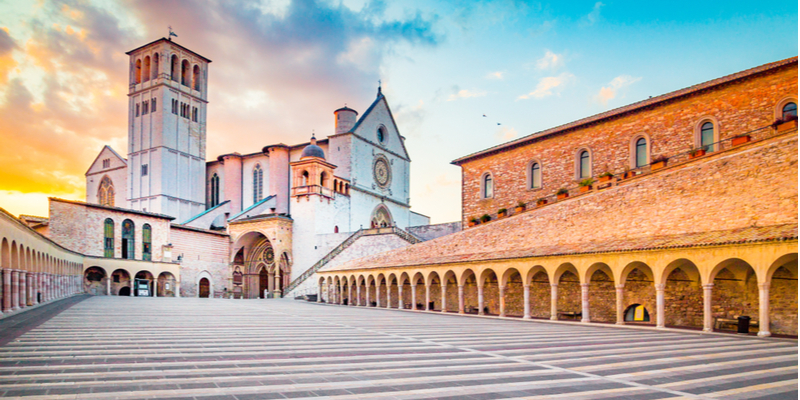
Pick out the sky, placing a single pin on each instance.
(280, 69)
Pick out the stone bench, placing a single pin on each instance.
(720, 322)
(570, 315)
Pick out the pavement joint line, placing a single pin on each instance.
(539, 364)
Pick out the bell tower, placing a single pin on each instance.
(167, 99)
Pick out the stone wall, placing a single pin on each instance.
(428, 232)
(683, 300)
(602, 298)
(202, 252)
(737, 107)
(783, 302)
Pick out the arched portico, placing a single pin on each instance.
(96, 281)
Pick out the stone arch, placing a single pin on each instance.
(735, 290)
(381, 217)
(469, 280)
(144, 279)
(167, 285)
(95, 281)
(450, 287)
(540, 289)
(489, 283)
(633, 151)
(196, 77)
(185, 73)
(418, 291)
(568, 301)
(782, 284)
(698, 127)
(513, 296)
(602, 293)
(434, 285)
(146, 71)
(639, 288)
(782, 103)
(210, 282)
(683, 294)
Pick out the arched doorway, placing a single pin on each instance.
(204, 288)
(121, 283)
(143, 284)
(166, 285)
(95, 281)
(263, 282)
(637, 313)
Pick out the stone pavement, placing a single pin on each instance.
(184, 348)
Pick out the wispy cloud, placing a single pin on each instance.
(548, 86)
(609, 92)
(465, 94)
(594, 16)
(550, 61)
(495, 75)
(505, 133)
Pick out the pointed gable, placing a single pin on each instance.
(379, 114)
(115, 161)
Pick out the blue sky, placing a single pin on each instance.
(281, 67)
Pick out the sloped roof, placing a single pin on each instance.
(124, 160)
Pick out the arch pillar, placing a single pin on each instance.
(585, 317)
(319, 297)
(388, 294)
(7, 289)
(763, 310)
(23, 297)
(399, 295)
(480, 299)
(660, 304)
(366, 295)
(358, 294)
(526, 296)
(427, 297)
(377, 295)
(461, 299)
(501, 290)
(554, 301)
(31, 289)
(444, 296)
(108, 285)
(414, 296)
(708, 321)
(620, 304)
(15, 289)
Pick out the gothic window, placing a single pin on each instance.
(145, 107)
(214, 198)
(196, 78)
(258, 184)
(137, 109)
(584, 165)
(641, 152)
(707, 136)
(146, 74)
(185, 77)
(155, 67)
(108, 238)
(194, 114)
(105, 192)
(147, 234)
(128, 241)
(535, 176)
(487, 186)
(174, 68)
(106, 163)
(381, 218)
(789, 110)
(153, 105)
(144, 169)
(175, 106)
(138, 71)
(304, 179)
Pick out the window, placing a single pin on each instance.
(175, 106)
(144, 169)
(789, 110)
(155, 66)
(214, 197)
(304, 178)
(145, 107)
(707, 137)
(194, 114)
(108, 238)
(382, 134)
(137, 109)
(185, 78)
(146, 242)
(584, 165)
(138, 76)
(105, 192)
(147, 68)
(153, 105)
(107, 163)
(641, 152)
(196, 78)
(535, 178)
(487, 186)
(258, 184)
(174, 68)
(128, 242)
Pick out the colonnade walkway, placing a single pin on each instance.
(183, 348)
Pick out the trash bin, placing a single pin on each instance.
(744, 324)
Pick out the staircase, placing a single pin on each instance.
(345, 244)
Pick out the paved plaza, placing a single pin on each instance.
(184, 348)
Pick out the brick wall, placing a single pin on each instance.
(202, 251)
(738, 107)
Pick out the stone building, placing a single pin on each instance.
(676, 211)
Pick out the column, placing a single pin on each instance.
(427, 297)
(414, 296)
(350, 295)
(480, 300)
(660, 317)
(319, 296)
(444, 297)
(31, 289)
(132, 280)
(502, 291)
(763, 310)
(277, 284)
(708, 321)
(23, 290)
(585, 302)
(366, 296)
(620, 304)
(15, 289)
(45, 287)
(7, 290)
(461, 299)
(178, 287)
(108, 286)
(377, 295)
(526, 297)
(388, 295)
(358, 295)
(399, 295)
(155, 287)
(554, 301)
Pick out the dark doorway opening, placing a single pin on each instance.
(263, 282)
(204, 288)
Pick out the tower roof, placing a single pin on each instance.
(312, 150)
(346, 108)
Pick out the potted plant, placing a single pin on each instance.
(502, 213)
(785, 124)
(562, 193)
(740, 139)
(541, 201)
(486, 218)
(658, 163)
(698, 152)
(606, 176)
(628, 174)
(474, 221)
(586, 185)
(520, 207)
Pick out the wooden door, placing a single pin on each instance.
(204, 287)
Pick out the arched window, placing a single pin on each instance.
(174, 68)
(155, 67)
(214, 197)
(258, 184)
(304, 178)
(707, 136)
(584, 165)
(535, 176)
(147, 237)
(196, 77)
(185, 78)
(641, 152)
(487, 186)
(138, 71)
(381, 217)
(789, 110)
(336, 229)
(322, 178)
(382, 134)
(105, 192)
(146, 73)
(128, 240)
(108, 238)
